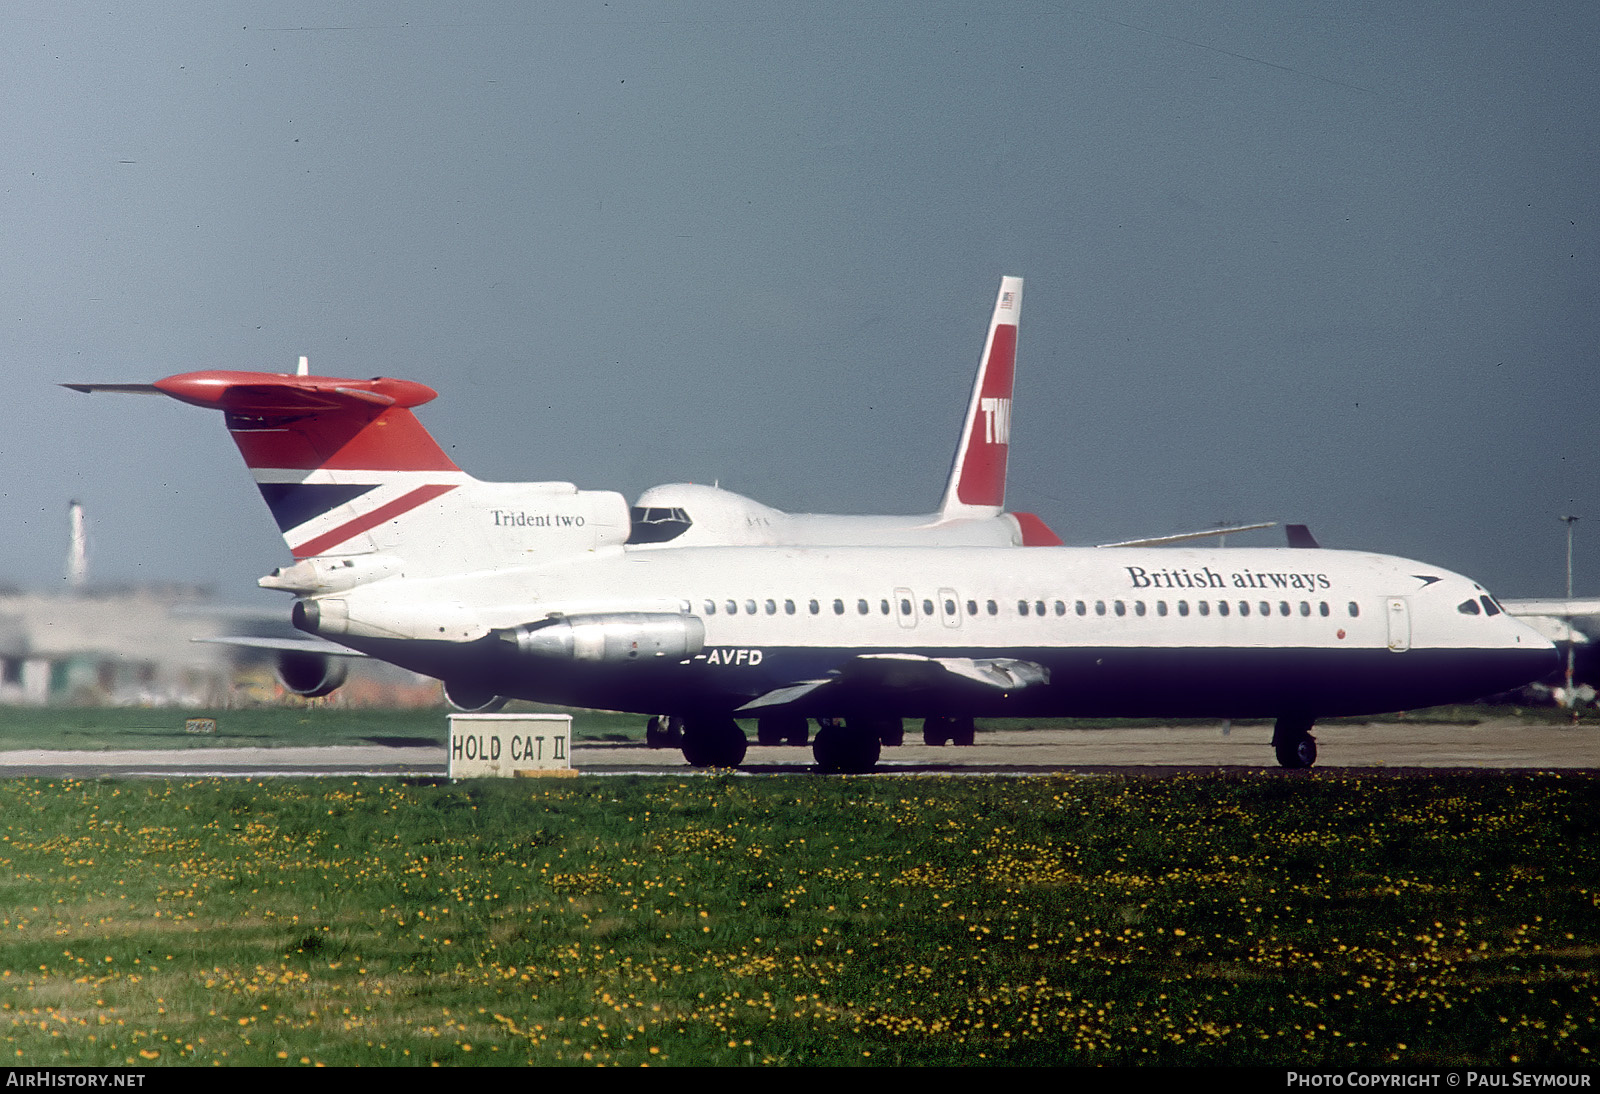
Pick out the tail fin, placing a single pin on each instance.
(977, 485)
(347, 469)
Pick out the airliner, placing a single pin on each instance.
(530, 591)
(971, 513)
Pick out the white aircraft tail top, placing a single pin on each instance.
(977, 485)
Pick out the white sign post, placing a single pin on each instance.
(503, 746)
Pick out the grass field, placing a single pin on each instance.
(1317, 920)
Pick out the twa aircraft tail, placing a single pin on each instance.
(360, 490)
(977, 484)
(976, 489)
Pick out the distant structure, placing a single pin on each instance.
(77, 548)
(104, 645)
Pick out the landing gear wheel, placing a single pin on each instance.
(839, 749)
(936, 731)
(779, 729)
(1292, 741)
(713, 742)
(891, 732)
(664, 732)
(1298, 754)
(963, 732)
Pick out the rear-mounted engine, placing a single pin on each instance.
(611, 637)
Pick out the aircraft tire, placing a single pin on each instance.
(713, 742)
(1292, 741)
(838, 750)
(664, 732)
(890, 732)
(936, 731)
(963, 732)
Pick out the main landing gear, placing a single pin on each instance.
(956, 730)
(848, 748)
(1292, 740)
(713, 742)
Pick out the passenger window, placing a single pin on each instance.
(994, 609)
(905, 607)
(1022, 607)
(1468, 607)
(949, 607)
(927, 608)
(750, 607)
(1305, 607)
(1355, 609)
(1222, 607)
(1266, 609)
(1038, 607)
(1138, 607)
(838, 606)
(1061, 609)
(1283, 607)
(711, 607)
(1322, 609)
(772, 607)
(1161, 608)
(1489, 606)
(788, 607)
(1244, 607)
(1121, 608)
(1081, 608)
(862, 607)
(1183, 607)
(732, 606)
(972, 607)
(815, 607)
(883, 607)
(1099, 607)
(1204, 606)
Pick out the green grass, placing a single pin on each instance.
(1318, 920)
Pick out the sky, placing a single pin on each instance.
(1332, 263)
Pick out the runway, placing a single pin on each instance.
(1391, 747)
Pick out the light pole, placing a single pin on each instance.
(1570, 521)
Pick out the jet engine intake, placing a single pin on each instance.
(311, 675)
(611, 637)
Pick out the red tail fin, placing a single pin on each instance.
(977, 486)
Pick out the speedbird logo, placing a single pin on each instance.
(996, 420)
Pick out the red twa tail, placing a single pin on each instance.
(977, 486)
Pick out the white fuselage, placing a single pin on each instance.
(1200, 631)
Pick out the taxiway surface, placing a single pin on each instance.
(1387, 747)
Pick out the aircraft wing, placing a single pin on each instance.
(877, 672)
(1553, 606)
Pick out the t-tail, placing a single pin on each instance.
(977, 485)
(976, 489)
(360, 490)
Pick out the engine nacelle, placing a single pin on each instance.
(472, 698)
(612, 637)
(312, 675)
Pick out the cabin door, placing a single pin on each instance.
(1399, 613)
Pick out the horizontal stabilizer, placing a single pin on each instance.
(284, 645)
(1185, 537)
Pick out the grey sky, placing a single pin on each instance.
(1329, 262)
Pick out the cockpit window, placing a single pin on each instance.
(657, 524)
(1489, 606)
(1468, 607)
